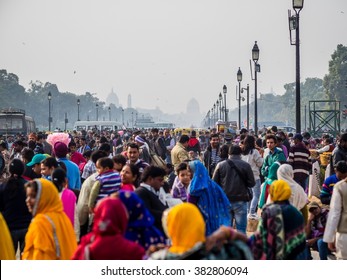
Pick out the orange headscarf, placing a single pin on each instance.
(50, 235)
(185, 227)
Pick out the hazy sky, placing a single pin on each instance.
(165, 52)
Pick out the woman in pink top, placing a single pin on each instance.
(129, 174)
(67, 197)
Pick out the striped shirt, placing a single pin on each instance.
(300, 159)
(110, 182)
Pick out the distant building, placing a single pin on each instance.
(129, 101)
(112, 98)
(193, 115)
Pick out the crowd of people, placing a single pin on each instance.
(153, 194)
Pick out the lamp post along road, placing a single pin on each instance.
(109, 113)
(49, 110)
(225, 103)
(297, 6)
(239, 79)
(255, 58)
(78, 109)
(220, 105)
(97, 111)
(247, 89)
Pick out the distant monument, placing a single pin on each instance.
(112, 98)
(129, 101)
(193, 113)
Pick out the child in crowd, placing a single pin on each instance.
(108, 181)
(181, 183)
(119, 162)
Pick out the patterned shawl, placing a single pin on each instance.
(141, 227)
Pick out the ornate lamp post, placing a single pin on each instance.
(217, 106)
(97, 111)
(255, 58)
(49, 96)
(109, 113)
(214, 110)
(239, 79)
(78, 109)
(294, 24)
(220, 105)
(122, 115)
(247, 89)
(225, 103)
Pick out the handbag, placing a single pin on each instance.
(238, 171)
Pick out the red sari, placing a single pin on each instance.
(106, 240)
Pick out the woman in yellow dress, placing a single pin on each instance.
(50, 235)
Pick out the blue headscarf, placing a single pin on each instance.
(140, 225)
(212, 201)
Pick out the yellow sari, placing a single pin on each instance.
(50, 235)
(6, 244)
(185, 227)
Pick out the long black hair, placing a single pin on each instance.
(15, 182)
(248, 145)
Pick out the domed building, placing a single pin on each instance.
(112, 98)
(193, 107)
(193, 113)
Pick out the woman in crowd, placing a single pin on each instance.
(67, 197)
(129, 176)
(271, 177)
(50, 235)
(6, 248)
(13, 206)
(281, 232)
(209, 197)
(251, 155)
(47, 167)
(185, 227)
(106, 241)
(298, 197)
(141, 227)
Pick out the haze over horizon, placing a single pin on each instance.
(164, 53)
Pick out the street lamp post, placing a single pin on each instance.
(49, 111)
(239, 79)
(217, 106)
(208, 118)
(78, 109)
(247, 89)
(214, 110)
(255, 58)
(122, 116)
(225, 103)
(294, 24)
(220, 105)
(109, 113)
(97, 111)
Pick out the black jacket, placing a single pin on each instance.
(234, 186)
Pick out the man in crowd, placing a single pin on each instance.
(299, 159)
(211, 155)
(179, 153)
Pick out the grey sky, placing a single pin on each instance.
(165, 52)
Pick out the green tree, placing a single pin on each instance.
(335, 81)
